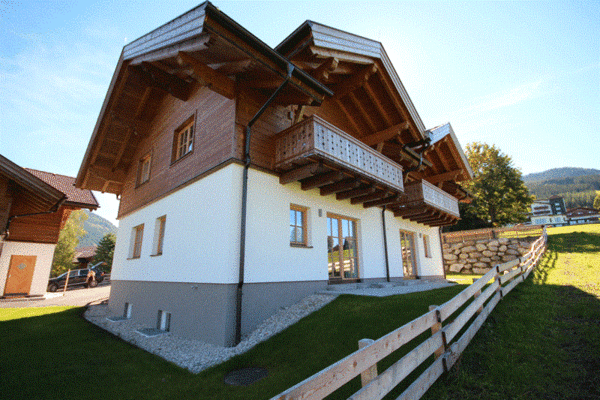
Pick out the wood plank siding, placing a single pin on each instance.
(43, 228)
(214, 117)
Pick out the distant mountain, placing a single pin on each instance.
(558, 173)
(577, 186)
(96, 227)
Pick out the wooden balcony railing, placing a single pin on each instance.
(316, 139)
(428, 204)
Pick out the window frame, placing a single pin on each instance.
(304, 215)
(427, 246)
(141, 176)
(159, 235)
(189, 124)
(137, 238)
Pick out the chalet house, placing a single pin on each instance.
(582, 215)
(34, 206)
(250, 177)
(84, 256)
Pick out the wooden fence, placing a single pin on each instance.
(441, 344)
(519, 231)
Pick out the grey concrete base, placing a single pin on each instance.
(206, 311)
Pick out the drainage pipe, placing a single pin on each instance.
(240, 286)
(385, 246)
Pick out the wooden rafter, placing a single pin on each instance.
(375, 98)
(447, 176)
(385, 134)
(328, 66)
(321, 180)
(299, 173)
(367, 197)
(348, 115)
(363, 112)
(340, 186)
(207, 76)
(382, 202)
(351, 84)
(391, 90)
(156, 77)
(348, 194)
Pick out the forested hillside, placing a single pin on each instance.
(577, 189)
(96, 227)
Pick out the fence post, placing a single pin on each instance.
(435, 328)
(370, 373)
(67, 281)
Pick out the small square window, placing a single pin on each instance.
(127, 310)
(183, 140)
(298, 226)
(164, 321)
(144, 169)
(137, 234)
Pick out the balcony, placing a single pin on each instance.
(320, 155)
(427, 204)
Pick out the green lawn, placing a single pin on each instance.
(542, 341)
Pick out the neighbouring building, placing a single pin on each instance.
(582, 215)
(84, 255)
(34, 206)
(252, 176)
(551, 211)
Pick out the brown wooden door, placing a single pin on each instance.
(20, 275)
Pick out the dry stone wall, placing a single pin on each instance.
(479, 256)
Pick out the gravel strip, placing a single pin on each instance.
(196, 355)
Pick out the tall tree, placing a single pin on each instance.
(68, 240)
(105, 251)
(499, 195)
(597, 201)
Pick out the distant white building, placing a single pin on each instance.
(549, 211)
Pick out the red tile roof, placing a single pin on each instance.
(81, 197)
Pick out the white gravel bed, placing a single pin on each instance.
(196, 355)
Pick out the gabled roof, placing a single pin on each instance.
(84, 252)
(76, 197)
(316, 44)
(38, 194)
(445, 143)
(202, 47)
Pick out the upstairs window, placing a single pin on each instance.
(159, 235)
(137, 234)
(183, 140)
(144, 169)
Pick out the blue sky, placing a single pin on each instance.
(524, 76)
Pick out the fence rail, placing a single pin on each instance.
(441, 344)
(493, 233)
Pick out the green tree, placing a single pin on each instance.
(499, 195)
(597, 201)
(105, 251)
(68, 241)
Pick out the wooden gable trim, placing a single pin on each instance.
(209, 77)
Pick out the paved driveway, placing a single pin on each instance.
(73, 297)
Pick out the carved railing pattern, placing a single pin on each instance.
(432, 195)
(316, 137)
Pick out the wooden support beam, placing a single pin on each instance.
(207, 76)
(298, 114)
(199, 43)
(340, 186)
(299, 173)
(156, 77)
(382, 202)
(363, 112)
(446, 176)
(368, 197)
(107, 174)
(322, 71)
(376, 99)
(354, 82)
(405, 211)
(392, 92)
(348, 115)
(321, 180)
(354, 192)
(384, 135)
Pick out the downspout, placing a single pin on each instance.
(442, 251)
(239, 292)
(385, 246)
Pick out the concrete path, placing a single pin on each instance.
(382, 289)
(73, 297)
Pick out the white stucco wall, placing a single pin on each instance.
(201, 241)
(43, 263)
(201, 234)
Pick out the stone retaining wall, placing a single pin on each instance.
(479, 256)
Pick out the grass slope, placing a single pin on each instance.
(543, 341)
